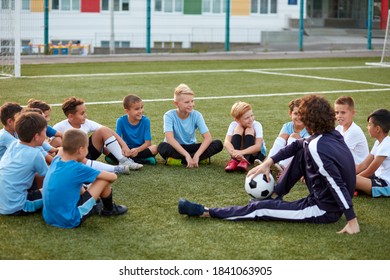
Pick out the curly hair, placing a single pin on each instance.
(70, 105)
(317, 114)
(294, 104)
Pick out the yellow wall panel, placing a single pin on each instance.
(37, 6)
(240, 7)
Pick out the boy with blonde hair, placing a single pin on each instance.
(180, 145)
(353, 135)
(66, 202)
(244, 140)
(373, 174)
(134, 129)
(23, 167)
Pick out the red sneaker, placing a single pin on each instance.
(243, 165)
(356, 193)
(231, 165)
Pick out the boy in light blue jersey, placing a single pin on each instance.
(8, 113)
(23, 167)
(134, 129)
(290, 132)
(180, 145)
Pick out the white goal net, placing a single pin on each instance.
(385, 59)
(386, 45)
(10, 38)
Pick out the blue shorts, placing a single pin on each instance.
(33, 203)
(379, 187)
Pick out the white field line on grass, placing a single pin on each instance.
(317, 77)
(191, 72)
(269, 71)
(242, 96)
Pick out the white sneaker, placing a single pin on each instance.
(130, 163)
(257, 162)
(122, 169)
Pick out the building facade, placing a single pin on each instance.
(182, 23)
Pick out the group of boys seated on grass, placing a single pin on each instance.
(65, 179)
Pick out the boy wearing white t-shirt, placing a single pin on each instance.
(373, 174)
(354, 137)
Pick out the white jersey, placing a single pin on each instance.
(383, 149)
(356, 141)
(87, 127)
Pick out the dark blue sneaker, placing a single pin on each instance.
(190, 208)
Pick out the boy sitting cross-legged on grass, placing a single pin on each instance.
(134, 129)
(23, 166)
(373, 173)
(180, 125)
(66, 203)
(103, 139)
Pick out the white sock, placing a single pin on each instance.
(100, 165)
(291, 140)
(114, 147)
(278, 144)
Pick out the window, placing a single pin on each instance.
(168, 6)
(264, 6)
(119, 5)
(118, 44)
(214, 6)
(66, 5)
(26, 5)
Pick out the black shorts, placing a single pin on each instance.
(93, 153)
(34, 203)
(86, 206)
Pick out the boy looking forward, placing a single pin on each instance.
(134, 129)
(180, 125)
(354, 137)
(66, 202)
(22, 166)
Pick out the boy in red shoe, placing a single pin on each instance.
(244, 139)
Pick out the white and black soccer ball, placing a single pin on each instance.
(258, 187)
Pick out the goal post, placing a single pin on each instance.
(10, 39)
(385, 58)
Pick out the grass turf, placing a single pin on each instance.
(153, 229)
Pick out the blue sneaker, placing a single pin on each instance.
(190, 208)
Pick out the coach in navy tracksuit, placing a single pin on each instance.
(325, 162)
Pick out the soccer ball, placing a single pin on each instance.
(258, 187)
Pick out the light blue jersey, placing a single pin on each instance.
(6, 139)
(61, 192)
(184, 131)
(288, 128)
(18, 167)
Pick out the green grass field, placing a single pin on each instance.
(153, 229)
